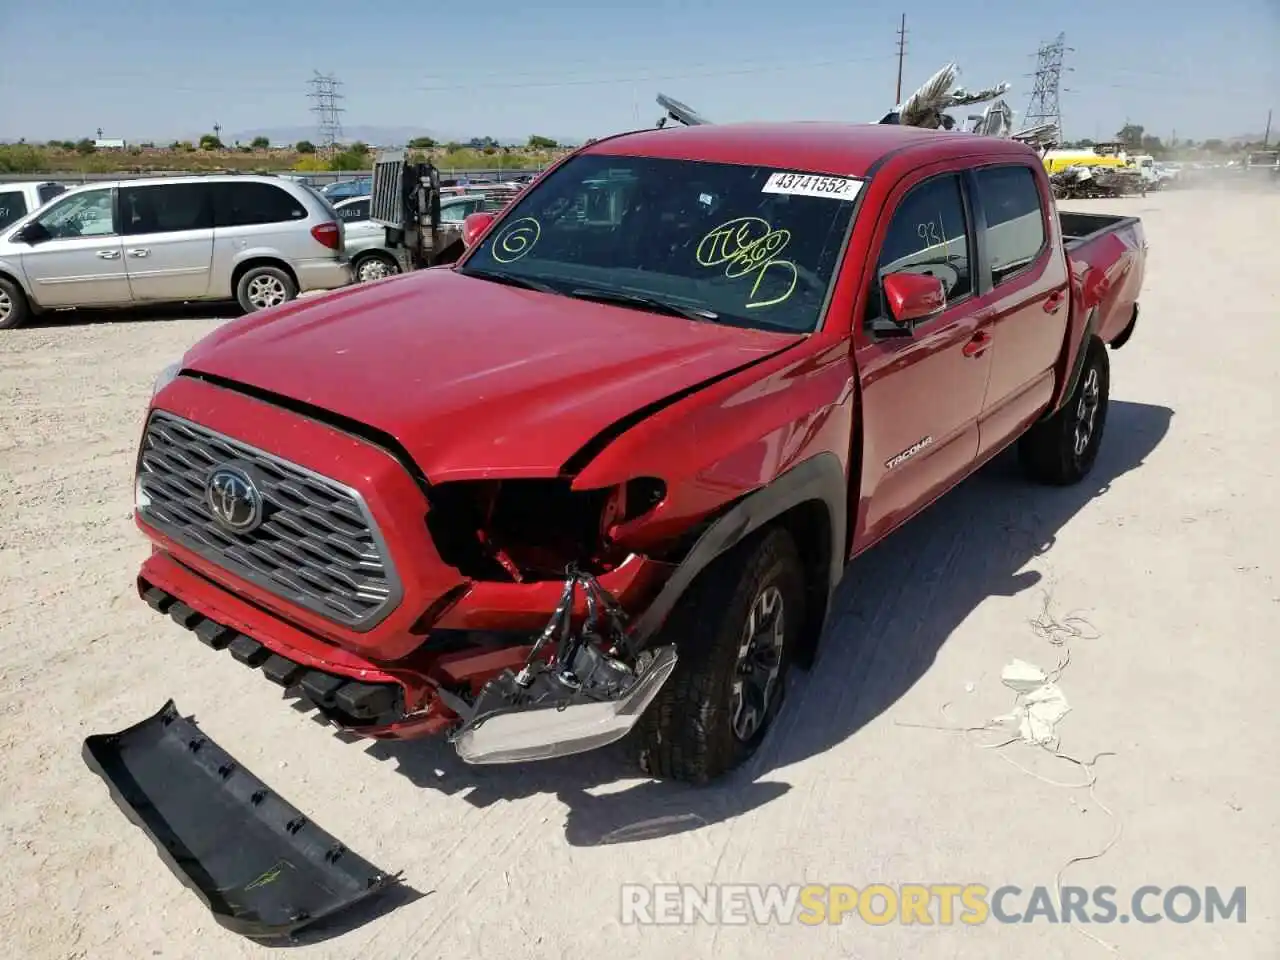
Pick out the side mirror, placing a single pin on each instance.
(474, 225)
(32, 232)
(913, 297)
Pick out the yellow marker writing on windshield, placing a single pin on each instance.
(745, 245)
(515, 240)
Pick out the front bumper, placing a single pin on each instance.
(397, 703)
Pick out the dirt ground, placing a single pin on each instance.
(1170, 552)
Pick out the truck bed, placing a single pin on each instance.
(1078, 228)
(1107, 254)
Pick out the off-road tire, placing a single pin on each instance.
(687, 734)
(389, 264)
(1048, 451)
(245, 288)
(18, 310)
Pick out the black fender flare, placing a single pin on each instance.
(1077, 366)
(820, 478)
(1127, 332)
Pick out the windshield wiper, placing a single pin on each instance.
(510, 280)
(648, 303)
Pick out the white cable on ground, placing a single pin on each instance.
(1057, 633)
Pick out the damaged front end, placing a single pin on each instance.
(582, 685)
(589, 692)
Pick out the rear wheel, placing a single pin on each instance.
(264, 287)
(1062, 450)
(14, 309)
(374, 266)
(735, 632)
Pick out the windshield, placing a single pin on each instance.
(745, 245)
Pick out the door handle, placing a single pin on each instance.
(108, 254)
(139, 252)
(1055, 302)
(977, 344)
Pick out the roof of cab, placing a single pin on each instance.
(837, 149)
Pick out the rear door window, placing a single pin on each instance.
(1016, 236)
(165, 208)
(250, 203)
(13, 206)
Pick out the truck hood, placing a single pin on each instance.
(475, 379)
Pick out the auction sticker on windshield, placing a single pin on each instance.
(812, 185)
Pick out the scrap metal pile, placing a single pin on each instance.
(1089, 182)
(927, 108)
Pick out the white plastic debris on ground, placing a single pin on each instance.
(1040, 705)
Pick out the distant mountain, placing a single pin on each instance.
(373, 135)
(379, 136)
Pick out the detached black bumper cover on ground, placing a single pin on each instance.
(262, 868)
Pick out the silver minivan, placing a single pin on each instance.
(258, 239)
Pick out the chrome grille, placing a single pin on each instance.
(317, 546)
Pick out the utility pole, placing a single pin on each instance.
(1045, 105)
(1266, 136)
(217, 131)
(324, 91)
(902, 50)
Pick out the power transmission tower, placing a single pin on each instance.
(902, 51)
(1045, 105)
(324, 93)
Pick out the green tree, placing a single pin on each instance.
(84, 146)
(349, 160)
(1153, 145)
(422, 143)
(304, 146)
(21, 158)
(542, 143)
(210, 142)
(261, 143)
(1131, 135)
(359, 147)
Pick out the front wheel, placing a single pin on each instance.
(735, 632)
(14, 309)
(1062, 450)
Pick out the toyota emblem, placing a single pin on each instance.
(234, 499)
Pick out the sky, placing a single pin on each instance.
(159, 69)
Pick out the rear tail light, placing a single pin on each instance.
(328, 234)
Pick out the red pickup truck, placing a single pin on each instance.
(597, 479)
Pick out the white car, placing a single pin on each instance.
(19, 199)
(372, 258)
(257, 239)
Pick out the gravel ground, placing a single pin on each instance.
(1169, 551)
